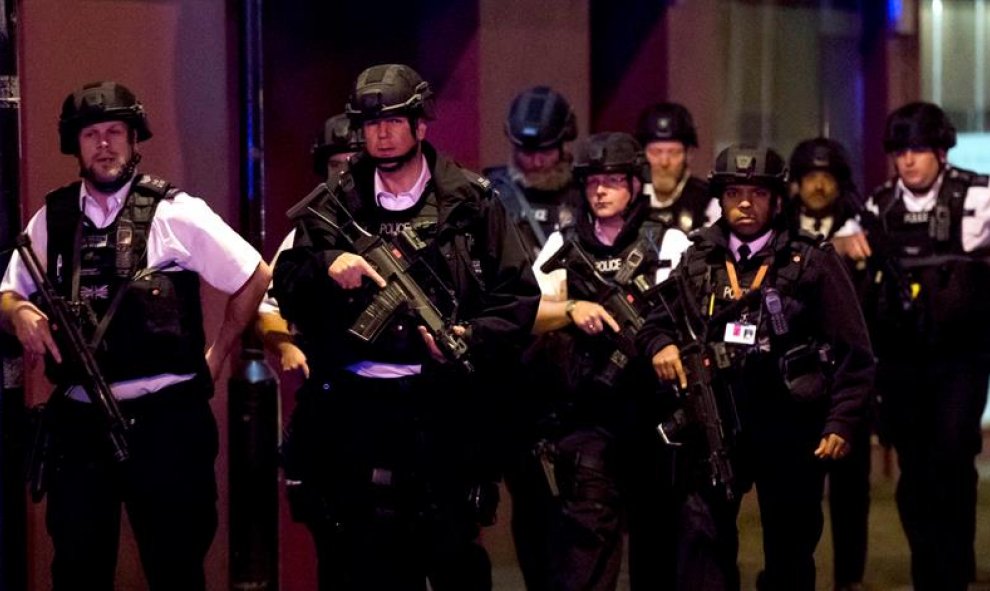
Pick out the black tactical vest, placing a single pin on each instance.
(948, 309)
(537, 214)
(156, 325)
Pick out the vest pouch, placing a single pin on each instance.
(155, 294)
(157, 329)
(804, 369)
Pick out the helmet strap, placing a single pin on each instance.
(126, 174)
(394, 163)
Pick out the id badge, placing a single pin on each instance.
(740, 333)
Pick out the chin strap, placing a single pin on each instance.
(396, 162)
(126, 174)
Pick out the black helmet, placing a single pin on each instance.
(609, 152)
(389, 90)
(97, 102)
(338, 136)
(918, 125)
(667, 122)
(821, 154)
(745, 164)
(540, 118)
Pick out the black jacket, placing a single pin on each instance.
(819, 305)
(471, 246)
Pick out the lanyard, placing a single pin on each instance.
(730, 268)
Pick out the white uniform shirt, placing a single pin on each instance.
(184, 234)
(268, 304)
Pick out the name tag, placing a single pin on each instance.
(740, 333)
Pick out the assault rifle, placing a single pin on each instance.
(700, 401)
(76, 353)
(623, 304)
(397, 262)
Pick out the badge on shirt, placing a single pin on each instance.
(740, 333)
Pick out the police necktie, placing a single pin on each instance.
(743, 254)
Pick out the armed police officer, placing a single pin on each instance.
(336, 143)
(396, 452)
(537, 187)
(538, 191)
(131, 249)
(825, 199)
(678, 199)
(778, 361)
(929, 241)
(595, 277)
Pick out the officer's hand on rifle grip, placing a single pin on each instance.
(591, 317)
(667, 364)
(31, 328)
(348, 269)
(431, 343)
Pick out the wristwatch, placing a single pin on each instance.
(569, 309)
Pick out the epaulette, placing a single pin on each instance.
(969, 177)
(477, 179)
(156, 186)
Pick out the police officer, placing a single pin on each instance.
(929, 320)
(598, 400)
(132, 248)
(396, 440)
(677, 198)
(537, 187)
(336, 143)
(772, 309)
(825, 199)
(539, 193)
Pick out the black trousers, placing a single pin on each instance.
(933, 409)
(586, 534)
(392, 462)
(849, 508)
(775, 453)
(168, 488)
(533, 511)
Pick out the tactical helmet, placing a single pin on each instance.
(97, 102)
(667, 122)
(745, 164)
(540, 118)
(821, 154)
(918, 125)
(389, 90)
(338, 136)
(609, 152)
